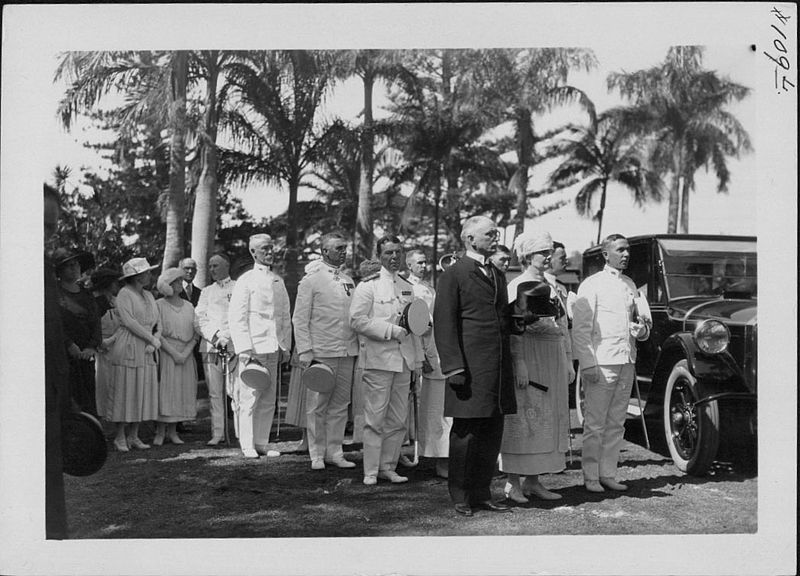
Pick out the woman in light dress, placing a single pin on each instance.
(105, 287)
(535, 439)
(177, 390)
(133, 385)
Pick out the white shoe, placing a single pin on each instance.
(249, 453)
(266, 452)
(612, 484)
(135, 442)
(405, 461)
(392, 476)
(317, 464)
(540, 492)
(158, 440)
(370, 480)
(593, 486)
(514, 493)
(214, 441)
(340, 462)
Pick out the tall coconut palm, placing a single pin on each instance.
(523, 83)
(273, 107)
(683, 107)
(153, 88)
(600, 154)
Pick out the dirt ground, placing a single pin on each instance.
(196, 491)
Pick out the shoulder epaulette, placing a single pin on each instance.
(371, 277)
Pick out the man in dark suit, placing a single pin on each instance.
(472, 336)
(191, 293)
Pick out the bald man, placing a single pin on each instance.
(211, 320)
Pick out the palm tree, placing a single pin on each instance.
(599, 154)
(682, 106)
(523, 83)
(273, 105)
(438, 118)
(153, 87)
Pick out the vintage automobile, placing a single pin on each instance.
(697, 373)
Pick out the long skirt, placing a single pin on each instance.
(177, 391)
(102, 384)
(133, 393)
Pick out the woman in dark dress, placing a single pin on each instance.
(81, 322)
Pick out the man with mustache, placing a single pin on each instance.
(605, 328)
(389, 353)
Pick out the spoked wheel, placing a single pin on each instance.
(691, 429)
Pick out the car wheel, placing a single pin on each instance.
(580, 398)
(691, 430)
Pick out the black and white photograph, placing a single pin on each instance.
(402, 289)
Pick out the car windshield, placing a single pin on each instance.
(695, 267)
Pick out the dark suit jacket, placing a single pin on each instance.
(195, 295)
(472, 333)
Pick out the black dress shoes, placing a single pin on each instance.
(463, 509)
(494, 506)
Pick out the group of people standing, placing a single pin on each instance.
(491, 373)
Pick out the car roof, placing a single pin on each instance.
(646, 237)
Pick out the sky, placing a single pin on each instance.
(710, 212)
(624, 35)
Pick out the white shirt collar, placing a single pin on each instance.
(258, 266)
(479, 258)
(223, 282)
(613, 271)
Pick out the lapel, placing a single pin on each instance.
(480, 278)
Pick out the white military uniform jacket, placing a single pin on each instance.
(377, 305)
(322, 314)
(211, 314)
(423, 290)
(258, 314)
(603, 312)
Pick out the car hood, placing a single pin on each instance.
(731, 311)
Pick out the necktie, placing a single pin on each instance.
(487, 266)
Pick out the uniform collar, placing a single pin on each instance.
(613, 271)
(262, 267)
(223, 282)
(387, 274)
(479, 258)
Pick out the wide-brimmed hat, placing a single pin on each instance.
(166, 278)
(103, 278)
(83, 444)
(136, 266)
(535, 296)
(319, 378)
(256, 376)
(63, 255)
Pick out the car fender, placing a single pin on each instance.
(717, 373)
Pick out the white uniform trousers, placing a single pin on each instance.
(604, 420)
(216, 393)
(256, 409)
(326, 414)
(385, 412)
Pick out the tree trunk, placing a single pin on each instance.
(290, 260)
(437, 195)
(204, 219)
(176, 201)
(364, 235)
(602, 211)
(685, 206)
(674, 193)
(524, 157)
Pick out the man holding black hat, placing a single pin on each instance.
(323, 334)
(472, 337)
(261, 331)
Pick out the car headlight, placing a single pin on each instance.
(712, 336)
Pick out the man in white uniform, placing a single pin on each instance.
(322, 332)
(261, 329)
(605, 329)
(389, 353)
(434, 431)
(211, 320)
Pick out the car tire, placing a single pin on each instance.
(691, 430)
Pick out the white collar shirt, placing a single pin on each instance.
(258, 314)
(322, 314)
(211, 314)
(602, 316)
